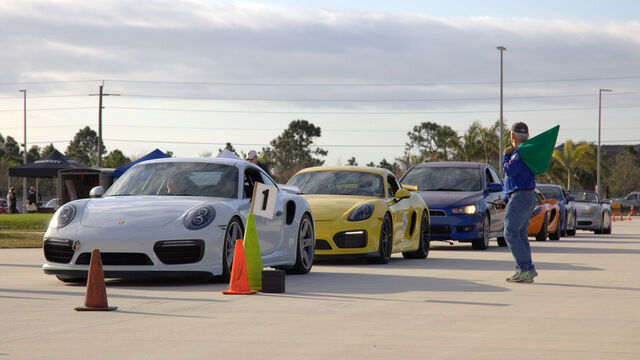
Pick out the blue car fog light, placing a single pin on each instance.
(362, 212)
(199, 218)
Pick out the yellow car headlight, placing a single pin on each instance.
(470, 209)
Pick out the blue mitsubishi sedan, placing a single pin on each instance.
(464, 200)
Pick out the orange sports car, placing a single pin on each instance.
(544, 219)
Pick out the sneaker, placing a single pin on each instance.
(523, 276)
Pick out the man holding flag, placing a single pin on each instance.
(519, 186)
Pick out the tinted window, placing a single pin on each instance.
(178, 179)
(585, 196)
(339, 183)
(393, 185)
(551, 192)
(445, 179)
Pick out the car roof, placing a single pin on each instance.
(224, 161)
(458, 164)
(367, 169)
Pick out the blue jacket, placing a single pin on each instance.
(517, 174)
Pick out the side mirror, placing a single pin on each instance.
(96, 192)
(570, 198)
(493, 187)
(402, 194)
(410, 187)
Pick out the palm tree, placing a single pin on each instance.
(574, 157)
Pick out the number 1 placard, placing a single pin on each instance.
(264, 200)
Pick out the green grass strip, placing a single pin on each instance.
(35, 222)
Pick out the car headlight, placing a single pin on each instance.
(471, 209)
(199, 218)
(63, 217)
(536, 211)
(362, 212)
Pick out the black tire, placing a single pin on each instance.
(233, 232)
(305, 248)
(572, 231)
(483, 242)
(555, 235)
(563, 231)
(542, 234)
(385, 245)
(425, 241)
(502, 242)
(601, 230)
(71, 279)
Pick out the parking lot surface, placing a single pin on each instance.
(453, 305)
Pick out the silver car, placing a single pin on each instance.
(592, 213)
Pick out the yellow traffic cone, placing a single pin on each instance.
(252, 254)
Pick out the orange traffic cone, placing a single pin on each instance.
(629, 217)
(239, 282)
(613, 217)
(96, 298)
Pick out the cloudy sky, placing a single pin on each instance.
(194, 74)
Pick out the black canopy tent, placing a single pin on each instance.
(47, 167)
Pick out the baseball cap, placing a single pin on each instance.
(520, 128)
(252, 154)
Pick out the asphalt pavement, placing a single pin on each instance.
(453, 305)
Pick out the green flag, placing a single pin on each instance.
(536, 152)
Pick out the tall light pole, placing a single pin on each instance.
(599, 184)
(24, 179)
(502, 49)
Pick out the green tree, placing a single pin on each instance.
(384, 164)
(47, 150)
(624, 175)
(573, 159)
(33, 154)
(84, 147)
(432, 141)
(11, 150)
(229, 147)
(292, 150)
(352, 161)
(115, 159)
(468, 148)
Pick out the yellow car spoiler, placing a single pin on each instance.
(410, 187)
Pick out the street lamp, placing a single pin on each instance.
(24, 159)
(502, 49)
(598, 183)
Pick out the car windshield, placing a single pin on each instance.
(444, 179)
(339, 183)
(551, 192)
(178, 179)
(585, 196)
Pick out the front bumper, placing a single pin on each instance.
(339, 238)
(464, 228)
(588, 222)
(127, 254)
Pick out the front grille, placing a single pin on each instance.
(174, 252)
(351, 239)
(439, 229)
(58, 251)
(116, 259)
(584, 223)
(322, 245)
(437, 213)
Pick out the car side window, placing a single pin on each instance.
(487, 177)
(392, 185)
(496, 178)
(267, 180)
(251, 176)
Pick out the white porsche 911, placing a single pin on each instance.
(177, 217)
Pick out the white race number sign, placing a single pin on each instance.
(264, 200)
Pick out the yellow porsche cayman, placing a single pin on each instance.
(364, 212)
